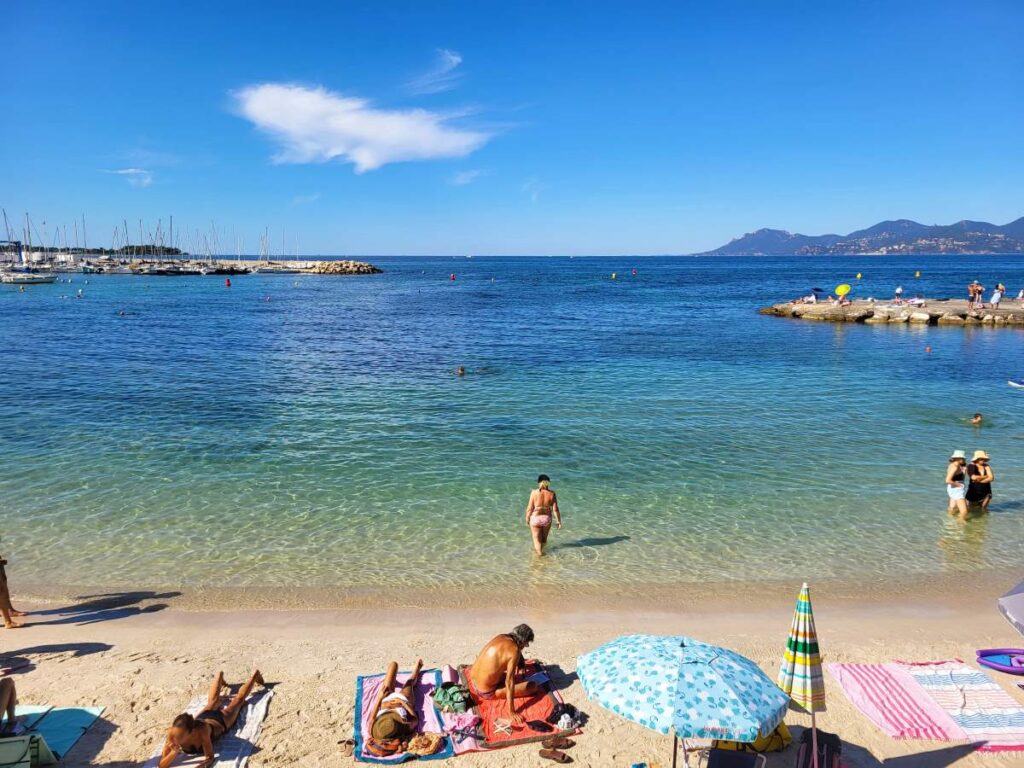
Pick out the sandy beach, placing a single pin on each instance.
(144, 656)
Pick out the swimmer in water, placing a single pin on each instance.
(460, 371)
(977, 419)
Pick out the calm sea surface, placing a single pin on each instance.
(312, 432)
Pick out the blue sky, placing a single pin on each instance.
(510, 128)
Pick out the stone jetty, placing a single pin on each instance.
(347, 267)
(931, 312)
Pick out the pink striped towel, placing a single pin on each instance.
(890, 697)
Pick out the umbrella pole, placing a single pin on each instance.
(675, 749)
(814, 739)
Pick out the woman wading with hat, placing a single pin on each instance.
(956, 484)
(979, 493)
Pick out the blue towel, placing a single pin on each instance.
(63, 726)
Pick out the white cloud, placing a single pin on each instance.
(136, 177)
(442, 77)
(314, 125)
(462, 178)
(532, 187)
(305, 199)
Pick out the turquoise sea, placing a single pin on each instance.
(310, 431)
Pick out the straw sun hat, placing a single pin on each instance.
(979, 455)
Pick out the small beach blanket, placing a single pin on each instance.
(367, 688)
(890, 697)
(234, 748)
(491, 711)
(60, 727)
(978, 705)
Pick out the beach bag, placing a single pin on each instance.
(776, 741)
(829, 750)
(25, 751)
(425, 744)
(452, 697)
(383, 747)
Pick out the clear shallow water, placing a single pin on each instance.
(322, 439)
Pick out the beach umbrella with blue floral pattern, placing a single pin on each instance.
(682, 686)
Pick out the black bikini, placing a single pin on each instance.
(208, 716)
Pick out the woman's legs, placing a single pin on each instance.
(235, 705)
(8, 698)
(961, 505)
(985, 503)
(10, 623)
(213, 697)
(409, 689)
(538, 542)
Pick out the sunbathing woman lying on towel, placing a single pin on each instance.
(195, 735)
(393, 715)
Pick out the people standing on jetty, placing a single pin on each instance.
(495, 669)
(956, 484)
(898, 295)
(393, 715)
(195, 735)
(540, 510)
(6, 607)
(997, 295)
(979, 492)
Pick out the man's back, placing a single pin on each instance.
(491, 665)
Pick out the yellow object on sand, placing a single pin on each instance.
(842, 290)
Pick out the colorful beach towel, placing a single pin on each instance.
(978, 705)
(367, 689)
(890, 697)
(234, 748)
(494, 714)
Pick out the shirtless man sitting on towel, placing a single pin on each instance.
(494, 671)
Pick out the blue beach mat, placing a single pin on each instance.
(61, 727)
(32, 713)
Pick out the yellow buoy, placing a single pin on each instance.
(917, 274)
(858, 275)
(842, 290)
(614, 275)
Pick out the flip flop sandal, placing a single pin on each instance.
(348, 746)
(558, 742)
(555, 755)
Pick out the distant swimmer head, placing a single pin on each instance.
(543, 481)
(977, 418)
(460, 371)
(522, 634)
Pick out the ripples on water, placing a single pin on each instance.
(321, 438)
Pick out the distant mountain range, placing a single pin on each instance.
(888, 237)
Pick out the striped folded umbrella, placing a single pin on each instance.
(800, 673)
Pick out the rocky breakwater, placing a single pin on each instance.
(347, 267)
(934, 312)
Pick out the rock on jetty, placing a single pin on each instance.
(347, 267)
(931, 312)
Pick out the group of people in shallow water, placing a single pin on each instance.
(969, 485)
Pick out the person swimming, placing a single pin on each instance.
(541, 508)
(977, 419)
(195, 735)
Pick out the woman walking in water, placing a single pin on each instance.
(543, 505)
(956, 486)
(979, 492)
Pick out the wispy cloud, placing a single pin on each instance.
(533, 188)
(441, 77)
(462, 178)
(136, 177)
(315, 125)
(304, 199)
